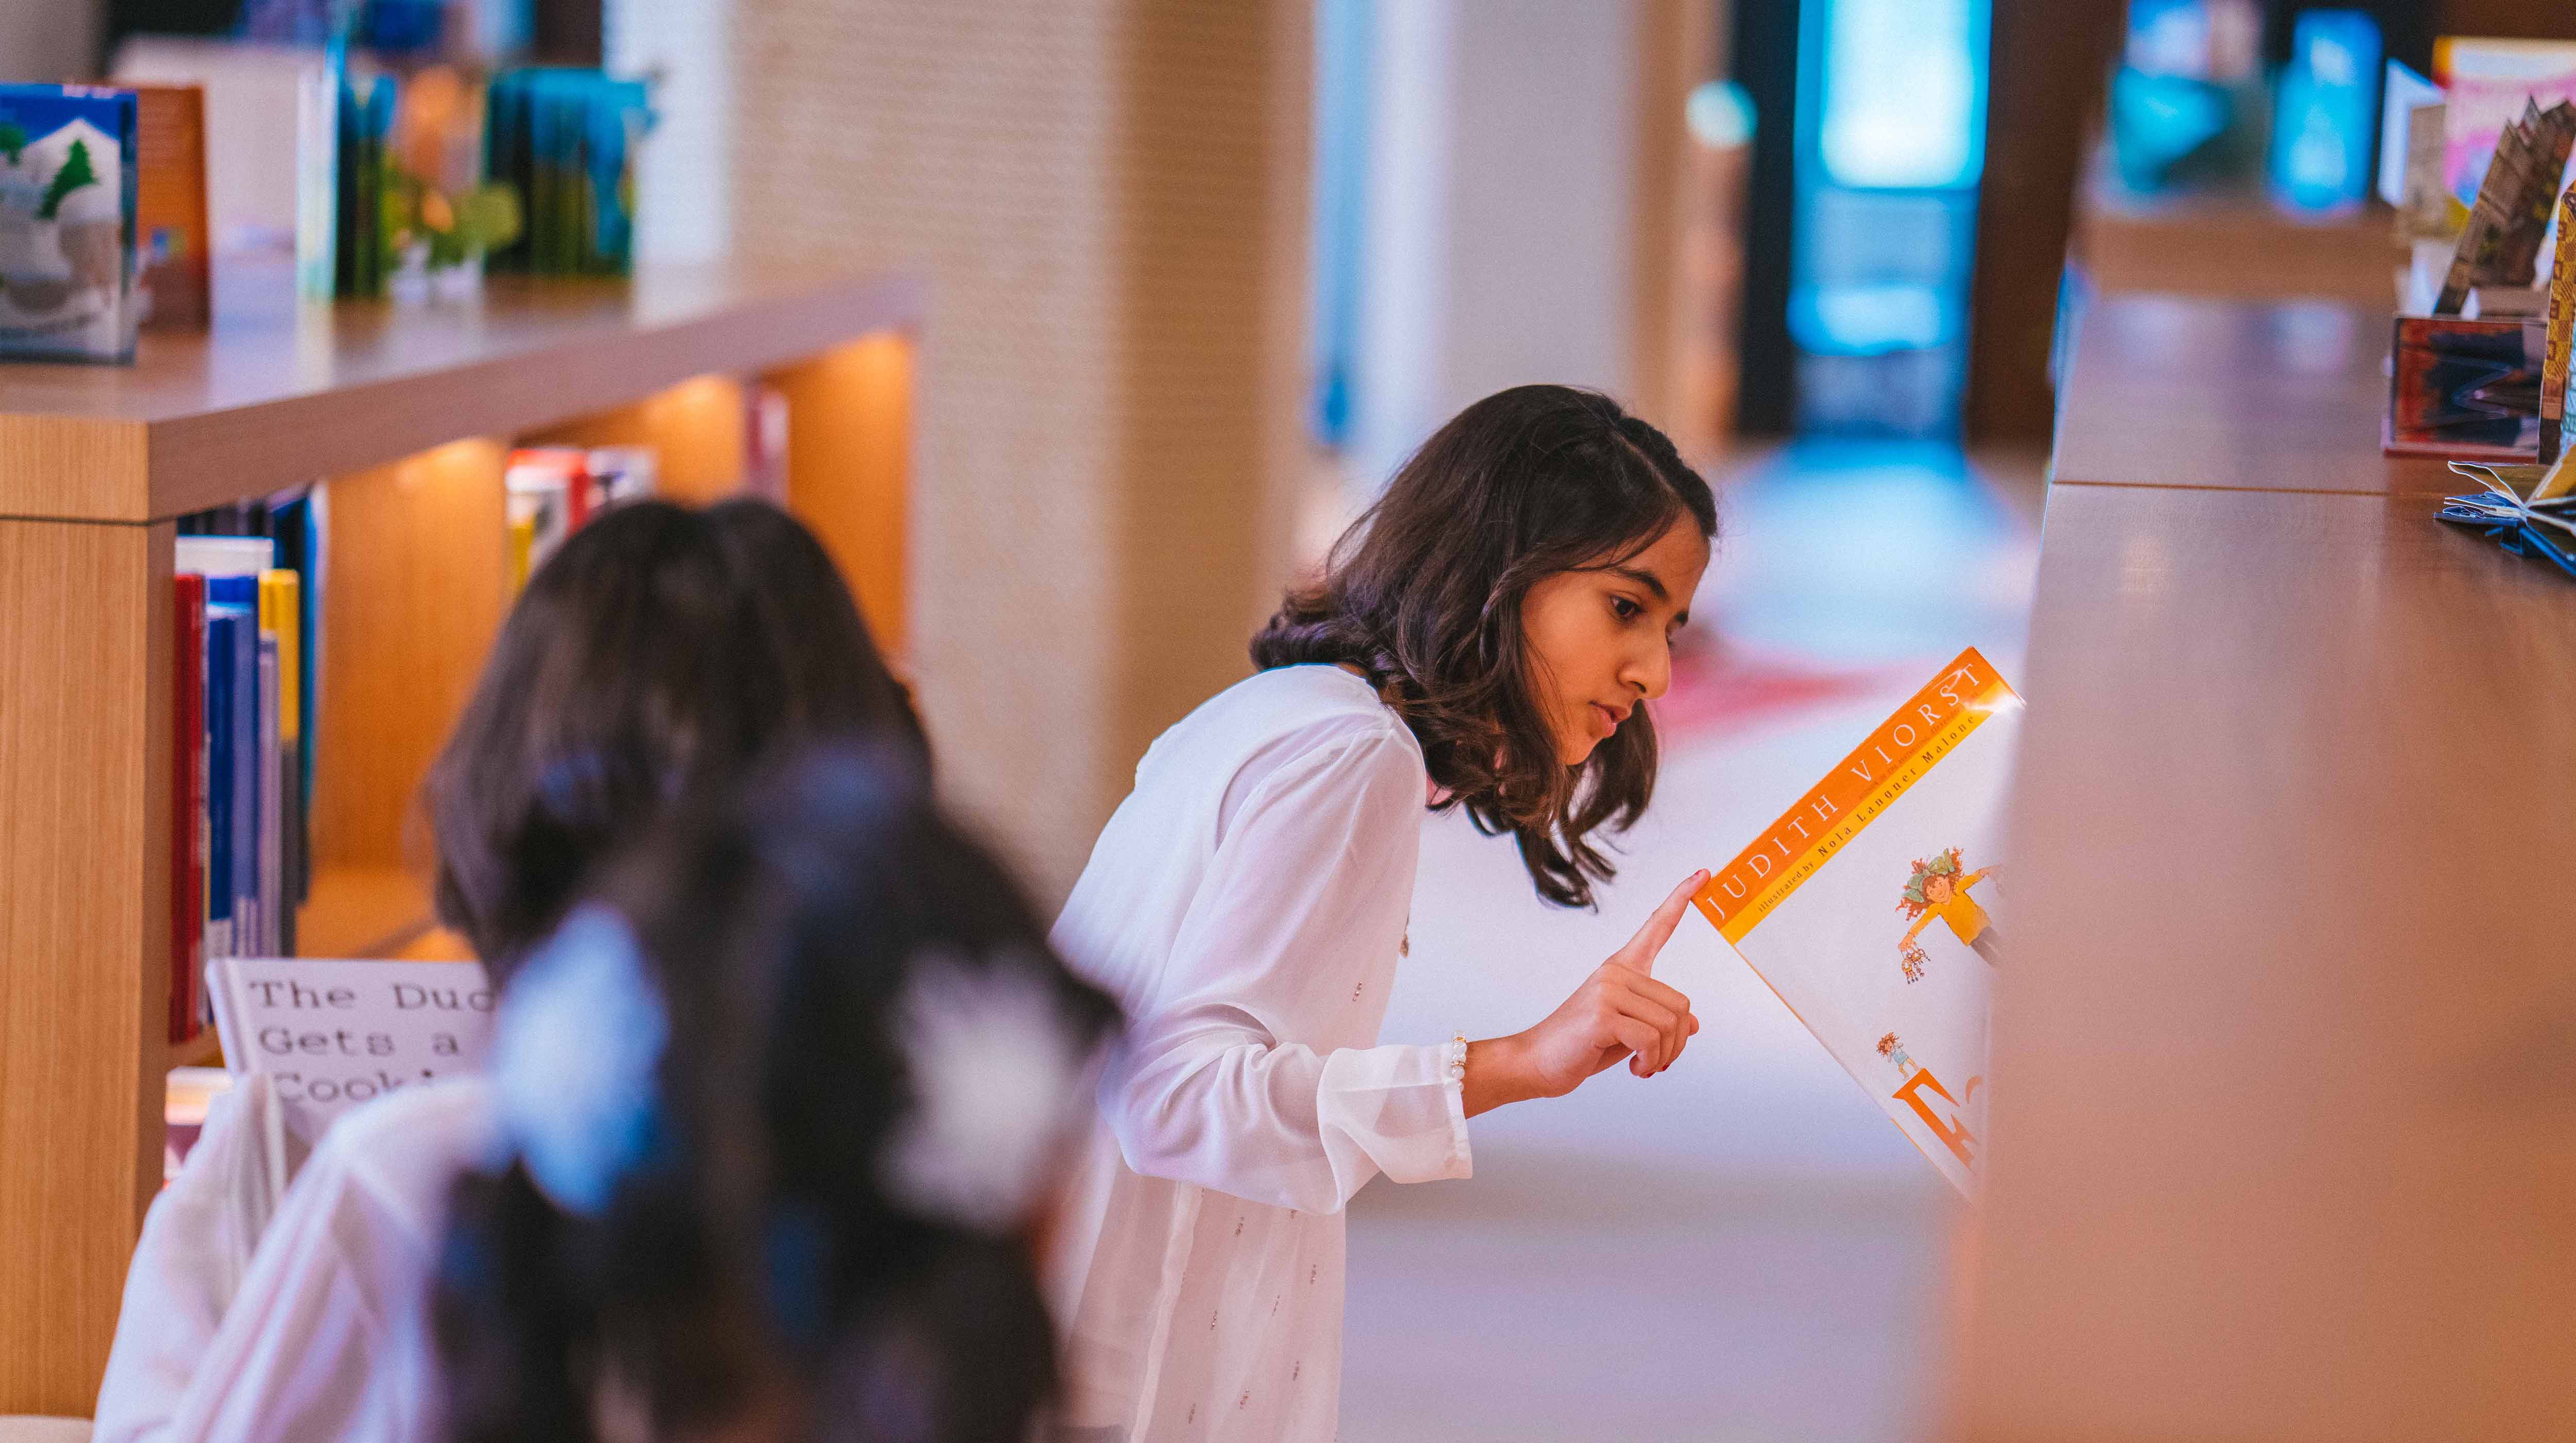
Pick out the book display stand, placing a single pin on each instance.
(410, 415)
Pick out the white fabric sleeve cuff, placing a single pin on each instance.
(1396, 1110)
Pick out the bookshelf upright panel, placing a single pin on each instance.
(84, 937)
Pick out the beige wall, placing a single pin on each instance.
(1107, 199)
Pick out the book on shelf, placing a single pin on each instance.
(188, 806)
(173, 248)
(1874, 908)
(67, 186)
(554, 490)
(246, 620)
(331, 1033)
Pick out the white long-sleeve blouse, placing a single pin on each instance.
(1247, 905)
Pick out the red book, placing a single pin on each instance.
(187, 806)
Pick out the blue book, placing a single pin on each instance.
(223, 623)
(241, 593)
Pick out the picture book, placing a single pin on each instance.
(2528, 510)
(333, 1034)
(67, 197)
(2468, 388)
(1876, 908)
(2489, 85)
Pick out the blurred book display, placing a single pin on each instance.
(2531, 510)
(1871, 908)
(564, 141)
(67, 203)
(2500, 245)
(2478, 185)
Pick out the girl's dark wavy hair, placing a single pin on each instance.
(754, 1266)
(662, 651)
(1424, 595)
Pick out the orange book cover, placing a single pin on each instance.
(172, 248)
(1875, 907)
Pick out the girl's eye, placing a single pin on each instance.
(1627, 610)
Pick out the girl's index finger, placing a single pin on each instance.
(1650, 939)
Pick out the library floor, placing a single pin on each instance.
(1742, 1247)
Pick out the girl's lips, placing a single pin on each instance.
(1609, 719)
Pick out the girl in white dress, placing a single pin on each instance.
(662, 654)
(1487, 638)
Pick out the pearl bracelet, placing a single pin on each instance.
(1458, 1058)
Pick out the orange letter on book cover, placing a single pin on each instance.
(1953, 1133)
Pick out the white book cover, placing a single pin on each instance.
(333, 1034)
(1875, 908)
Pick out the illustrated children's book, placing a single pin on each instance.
(1876, 908)
(67, 193)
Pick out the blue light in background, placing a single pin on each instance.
(1891, 144)
(1720, 115)
(1905, 94)
(2322, 130)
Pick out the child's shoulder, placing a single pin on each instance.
(1314, 704)
(410, 1144)
(1275, 716)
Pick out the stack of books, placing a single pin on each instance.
(242, 753)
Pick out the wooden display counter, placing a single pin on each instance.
(2281, 1145)
(2235, 245)
(409, 415)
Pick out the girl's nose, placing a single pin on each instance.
(1652, 673)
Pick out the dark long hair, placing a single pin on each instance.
(759, 1259)
(660, 652)
(1424, 595)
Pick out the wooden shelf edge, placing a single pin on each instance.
(203, 1050)
(142, 443)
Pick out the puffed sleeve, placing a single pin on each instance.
(197, 1241)
(1298, 918)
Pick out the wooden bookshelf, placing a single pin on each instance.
(407, 415)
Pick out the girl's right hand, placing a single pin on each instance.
(1619, 1011)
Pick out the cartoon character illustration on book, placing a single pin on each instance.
(1894, 1051)
(1939, 888)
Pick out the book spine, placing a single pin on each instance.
(245, 777)
(2562, 334)
(281, 600)
(220, 651)
(272, 832)
(188, 804)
